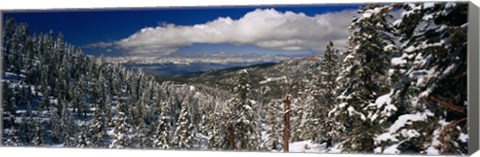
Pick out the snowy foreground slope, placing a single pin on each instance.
(308, 146)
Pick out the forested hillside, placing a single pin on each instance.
(53, 94)
(399, 87)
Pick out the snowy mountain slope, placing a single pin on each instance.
(270, 80)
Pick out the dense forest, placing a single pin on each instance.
(399, 87)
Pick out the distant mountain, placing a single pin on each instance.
(179, 70)
(215, 58)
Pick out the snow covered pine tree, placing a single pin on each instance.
(241, 122)
(367, 60)
(325, 95)
(184, 134)
(122, 129)
(432, 85)
(273, 126)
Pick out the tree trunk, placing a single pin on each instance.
(329, 142)
(286, 123)
(231, 138)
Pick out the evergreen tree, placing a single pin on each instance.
(69, 129)
(83, 140)
(326, 94)
(8, 105)
(12, 136)
(108, 110)
(218, 135)
(143, 131)
(431, 87)
(122, 127)
(80, 96)
(163, 132)
(26, 133)
(142, 136)
(97, 130)
(184, 133)
(273, 126)
(39, 137)
(321, 99)
(367, 63)
(242, 122)
(309, 120)
(215, 130)
(55, 126)
(8, 42)
(203, 130)
(298, 121)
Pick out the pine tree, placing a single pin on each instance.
(431, 86)
(97, 130)
(184, 133)
(16, 36)
(143, 131)
(12, 136)
(309, 120)
(8, 105)
(8, 43)
(242, 123)
(55, 126)
(69, 129)
(273, 126)
(142, 136)
(321, 99)
(297, 118)
(203, 130)
(38, 138)
(215, 130)
(366, 68)
(26, 132)
(108, 110)
(80, 96)
(163, 132)
(122, 128)
(326, 94)
(83, 140)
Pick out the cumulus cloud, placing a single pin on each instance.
(265, 28)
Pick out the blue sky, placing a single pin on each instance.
(272, 30)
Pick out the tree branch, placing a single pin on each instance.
(447, 105)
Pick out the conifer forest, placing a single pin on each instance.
(399, 87)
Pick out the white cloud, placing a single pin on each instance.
(266, 28)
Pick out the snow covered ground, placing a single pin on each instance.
(306, 146)
(309, 147)
(270, 79)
